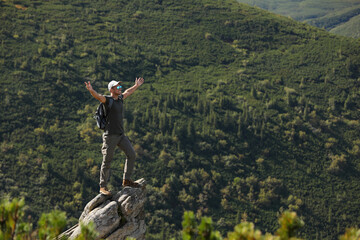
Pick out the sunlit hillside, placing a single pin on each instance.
(340, 17)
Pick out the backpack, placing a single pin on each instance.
(101, 114)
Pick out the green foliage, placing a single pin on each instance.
(11, 213)
(351, 234)
(289, 222)
(338, 164)
(289, 225)
(244, 231)
(87, 232)
(51, 224)
(203, 231)
(337, 17)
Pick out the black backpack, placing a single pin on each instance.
(101, 114)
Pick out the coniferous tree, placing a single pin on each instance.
(227, 120)
(253, 92)
(239, 126)
(190, 130)
(306, 109)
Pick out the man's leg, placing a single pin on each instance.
(108, 149)
(129, 151)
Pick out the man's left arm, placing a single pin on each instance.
(131, 90)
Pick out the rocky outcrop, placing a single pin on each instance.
(116, 217)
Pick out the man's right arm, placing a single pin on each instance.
(99, 97)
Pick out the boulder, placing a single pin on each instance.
(115, 217)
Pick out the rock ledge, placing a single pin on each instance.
(115, 217)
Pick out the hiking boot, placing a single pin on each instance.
(105, 191)
(130, 183)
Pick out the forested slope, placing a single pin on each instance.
(243, 113)
(340, 17)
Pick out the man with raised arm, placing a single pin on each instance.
(114, 134)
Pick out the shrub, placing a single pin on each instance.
(205, 230)
(138, 14)
(351, 234)
(289, 222)
(10, 213)
(330, 143)
(208, 36)
(50, 225)
(338, 163)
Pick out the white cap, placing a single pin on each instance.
(113, 83)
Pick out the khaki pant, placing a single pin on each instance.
(109, 144)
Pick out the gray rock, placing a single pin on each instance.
(124, 232)
(105, 218)
(131, 202)
(115, 217)
(133, 229)
(97, 201)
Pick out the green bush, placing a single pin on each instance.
(289, 222)
(205, 230)
(50, 225)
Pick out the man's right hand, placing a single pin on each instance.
(88, 86)
(99, 97)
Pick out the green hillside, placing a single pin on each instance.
(243, 113)
(340, 17)
(348, 27)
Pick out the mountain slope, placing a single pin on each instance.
(348, 27)
(326, 14)
(243, 113)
